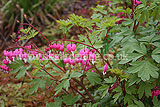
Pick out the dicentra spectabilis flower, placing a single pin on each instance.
(66, 60)
(29, 47)
(47, 49)
(19, 32)
(34, 53)
(93, 50)
(136, 2)
(84, 62)
(72, 62)
(105, 69)
(92, 71)
(71, 47)
(159, 15)
(111, 14)
(84, 52)
(20, 50)
(5, 53)
(5, 67)
(61, 47)
(50, 46)
(51, 55)
(78, 60)
(16, 53)
(5, 61)
(92, 56)
(120, 15)
(8, 53)
(56, 46)
(24, 57)
(40, 56)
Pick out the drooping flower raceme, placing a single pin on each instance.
(11, 55)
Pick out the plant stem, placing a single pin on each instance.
(132, 7)
(90, 96)
(54, 79)
(80, 94)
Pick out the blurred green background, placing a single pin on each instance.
(41, 13)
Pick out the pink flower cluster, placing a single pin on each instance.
(14, 54)
(10, 55)
(56, 46)
(83, 59)
(4, 67)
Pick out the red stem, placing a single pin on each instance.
(90, 96)
(80, 94)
